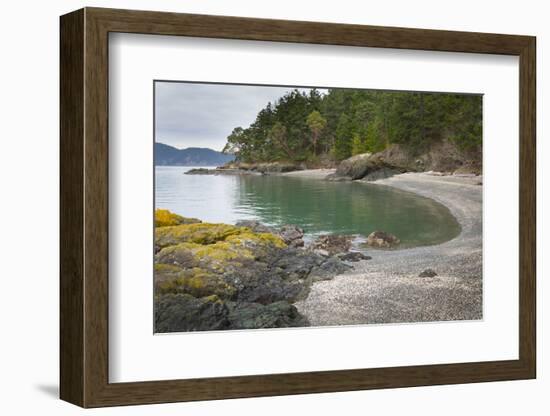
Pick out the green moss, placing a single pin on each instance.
(194, 257)
(222, 251)
(201, 233)
(213, 299)
(198, 283)
(166, 268)
(165, 218)
(248, 236)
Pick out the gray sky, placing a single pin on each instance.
(203, 115)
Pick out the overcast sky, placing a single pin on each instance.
(203, 115)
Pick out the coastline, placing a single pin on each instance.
(309, 173)
(387, 288)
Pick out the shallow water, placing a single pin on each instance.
(317, 206)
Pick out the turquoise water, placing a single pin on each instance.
(318, 207)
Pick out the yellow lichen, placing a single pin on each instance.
(213, 299)
(257, 238)
(201, 233)
(196, 282)
(222, 251)
(165, 218)
(166, 268)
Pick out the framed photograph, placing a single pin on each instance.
(255, 207)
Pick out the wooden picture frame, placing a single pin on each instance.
(84, 207)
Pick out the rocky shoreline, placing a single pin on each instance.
(444, 157)
(248, 275)
(243, 276)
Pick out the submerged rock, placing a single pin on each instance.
(382, 239)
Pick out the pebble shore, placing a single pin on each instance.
(388, 289)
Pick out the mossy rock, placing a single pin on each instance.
(165, 218)
(212, 256)
(206, 233)
(248, 238)
(199, 233)
(196, 282)
(166, 271)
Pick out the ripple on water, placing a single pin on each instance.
(317, 206)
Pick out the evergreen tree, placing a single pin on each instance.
(300, 126)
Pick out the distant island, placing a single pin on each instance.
(166, 155)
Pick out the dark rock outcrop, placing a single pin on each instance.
(354, 256)
(182, 313)
(356, 167)
(274, 315)
(381, 173)
(440, 156)
(366, 166)
(428, 273)
(333, 266)
(236, 276)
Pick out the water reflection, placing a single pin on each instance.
(317, 206)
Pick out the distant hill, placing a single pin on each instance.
(192, 156)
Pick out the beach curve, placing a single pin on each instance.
(387, 289)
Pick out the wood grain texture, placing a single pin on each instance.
(84, 207)
(71, 213)
(528, 207)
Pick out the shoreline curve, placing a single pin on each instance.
(387, 289)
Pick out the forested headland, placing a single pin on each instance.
(321, 128)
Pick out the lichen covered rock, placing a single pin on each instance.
(235, 276)
(164, 218)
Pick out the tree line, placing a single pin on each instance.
(310, 126)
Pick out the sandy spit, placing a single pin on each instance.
(310, 173)
(387, 288)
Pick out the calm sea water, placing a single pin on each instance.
(317, 206)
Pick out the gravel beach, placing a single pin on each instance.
(387, 289)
